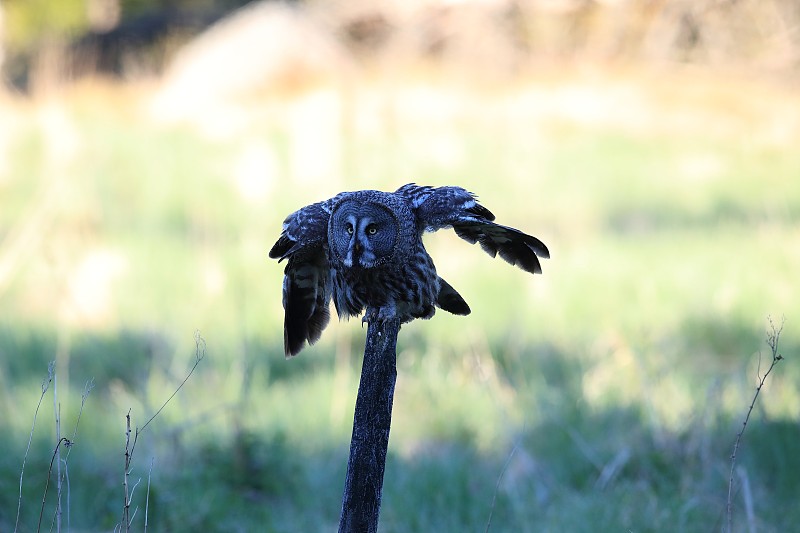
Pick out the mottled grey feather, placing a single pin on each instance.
(364, 250)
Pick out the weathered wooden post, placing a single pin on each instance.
(363, 250)
(363, 484)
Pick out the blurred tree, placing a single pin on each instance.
(35, 36)
(30, 22)
(49, 40)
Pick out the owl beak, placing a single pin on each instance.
(353, 250)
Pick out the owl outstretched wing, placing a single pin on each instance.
(442, 207)
(306, 284)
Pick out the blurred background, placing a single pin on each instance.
(149, 151)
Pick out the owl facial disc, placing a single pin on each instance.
(363, 234)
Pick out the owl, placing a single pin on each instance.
(364, 250)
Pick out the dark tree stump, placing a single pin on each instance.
(363, 484)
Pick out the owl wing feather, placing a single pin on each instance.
(306, 284)
(449, 300)
(444, 207)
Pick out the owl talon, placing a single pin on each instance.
(370, 316)
(378, 314)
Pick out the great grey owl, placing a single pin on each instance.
(364, 249)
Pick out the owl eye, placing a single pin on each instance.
(371, 229)
(349, 228)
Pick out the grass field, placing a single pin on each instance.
(604, 395)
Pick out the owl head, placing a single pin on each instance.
(368, 229)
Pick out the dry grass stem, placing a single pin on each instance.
(497, 484)
(57, 415)
(45, 386)
(147, 498)
(87, 389)
(67, 443)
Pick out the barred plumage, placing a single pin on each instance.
(364, 250)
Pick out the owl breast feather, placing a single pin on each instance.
(406, 291)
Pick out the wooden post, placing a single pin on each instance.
(363, 484)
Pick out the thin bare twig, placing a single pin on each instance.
(199, 354)
(126, 507)
(45, 385)
(130, 446)
(133, 489)
(773, 337)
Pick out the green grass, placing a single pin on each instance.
(619, 378)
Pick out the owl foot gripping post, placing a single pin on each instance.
(364, 251)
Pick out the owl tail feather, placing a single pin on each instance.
(450, 300)
(300, 327)
(305, 300)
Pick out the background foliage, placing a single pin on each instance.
(604, 395)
